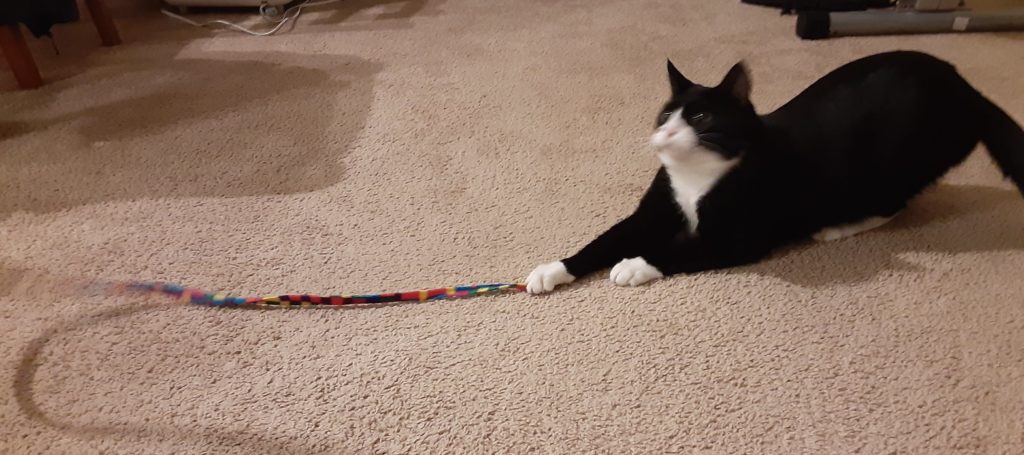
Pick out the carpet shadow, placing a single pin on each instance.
(9, 278)
(283, 124)
(396, 14)
(13, 129)
(945, 219)
(24, 395)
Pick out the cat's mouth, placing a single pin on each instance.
(718, 141)
(711, 135)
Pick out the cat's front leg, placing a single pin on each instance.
(655, 221)
(545, 277)
(684, 255)
(655, 261)
(634, 272)
(626, 238)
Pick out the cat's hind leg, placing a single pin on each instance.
(843, 231)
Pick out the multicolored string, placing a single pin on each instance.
(198, 297)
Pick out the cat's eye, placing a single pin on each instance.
(699, 117)
(664, 117)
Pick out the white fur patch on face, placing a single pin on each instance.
(692, 169)
(546, 277)
(634, 272)
(675, 136)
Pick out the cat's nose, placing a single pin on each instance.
(671, 132)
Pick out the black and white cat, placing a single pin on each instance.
(842, 157)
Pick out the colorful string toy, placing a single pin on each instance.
(198, 297)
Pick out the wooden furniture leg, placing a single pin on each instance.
(104, 23)
(19, 57)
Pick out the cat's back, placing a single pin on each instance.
(891, 80)
(877, 129)
(877, 105)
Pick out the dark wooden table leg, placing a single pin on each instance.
(104, 22)
(19, 57)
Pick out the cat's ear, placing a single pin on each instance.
(679, 82)
(737, 83)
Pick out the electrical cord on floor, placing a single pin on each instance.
(289, 15)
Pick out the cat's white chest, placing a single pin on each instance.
(693, 177)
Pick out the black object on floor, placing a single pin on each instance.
(821, 24)
(38, 15)
(789, 6)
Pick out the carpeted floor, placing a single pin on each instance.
(401, 145)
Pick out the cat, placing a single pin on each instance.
(842, 157)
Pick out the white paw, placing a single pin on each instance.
(545, 277)
(830, 234)
(849, 230)
(634, 272)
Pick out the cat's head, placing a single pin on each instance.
(699, 119)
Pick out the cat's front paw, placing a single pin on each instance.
(545, 277)
(634, 272)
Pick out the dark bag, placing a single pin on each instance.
(38, 15)
(789, 6)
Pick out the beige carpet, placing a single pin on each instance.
(423, 143)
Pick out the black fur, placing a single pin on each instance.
(858, 143)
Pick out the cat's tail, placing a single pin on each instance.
(1004, 139)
